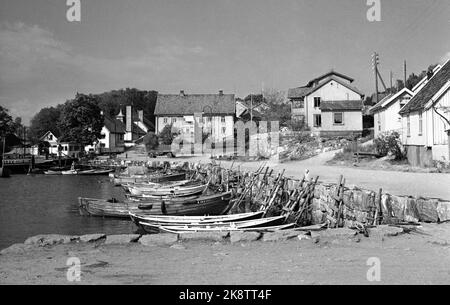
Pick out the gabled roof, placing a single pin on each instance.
(389, 99)
(307, 90)
(114, 125)
(341, 105)
(188, 104)
(328, 74)
(45, 134)
(423, 96)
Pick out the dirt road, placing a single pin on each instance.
(433, 185)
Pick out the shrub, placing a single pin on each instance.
(151, 141)
(167, 135)
(389, 143)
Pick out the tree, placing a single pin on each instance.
(167, 135)
(6, 122)
(81, 120)
(151, 141)
(46, 119)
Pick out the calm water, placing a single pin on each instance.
(40, 204)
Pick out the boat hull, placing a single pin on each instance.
(143, 179)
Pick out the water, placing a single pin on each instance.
(41, 204)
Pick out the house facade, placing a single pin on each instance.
(111, 137)
(386, 112)
(329, 105)
(217, 111)
(56, 147)
(425, 119)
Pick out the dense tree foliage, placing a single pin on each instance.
(6, 122)
(151, 141)
(81, 120)
(46, 119)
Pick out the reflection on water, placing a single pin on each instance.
(40, 204)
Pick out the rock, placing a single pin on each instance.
(50, 239)
(443, 210)
(206, 236)
(88, 238)
(159, 239)
(427, 210)
(339, 233)
(385, 231)
(121, 239)
(16, 249)
(280, 235)
(240, 236)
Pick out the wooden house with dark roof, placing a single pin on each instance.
(329, 104)
(217, 111)
(426, 119)
(111, 137)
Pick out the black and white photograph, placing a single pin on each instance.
(208, 145)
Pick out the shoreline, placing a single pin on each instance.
(332, 256)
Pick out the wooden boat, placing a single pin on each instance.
(52, 172)
(70, 172)
(213, 227)
(148, 178)
(183, 220)
(179, 191)
(126, 186)
(95, 172)
(216, 204)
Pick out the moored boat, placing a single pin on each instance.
(183, 190)
(92, 172)
(216, 204)
(119, 180)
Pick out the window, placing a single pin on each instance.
(222, 119)
(224, 129)
(165, 120)
(379, 121)
(102, 136)
(317, 102)
(420, 123)
(408, 126)
(317, 120)
(174, 120)
(50, 137)
(209, 119)
(338, 118)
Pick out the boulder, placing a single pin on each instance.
(339, 233)
(385, 231)
(121, 239)
(88, 238)
(443, 210)
(50, 239)
(16, 249)
(158, 239)
(205, 236)
(281, 235)
(240, 236)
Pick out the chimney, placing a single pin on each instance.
(141, 115)
(182, 93)
(128, 119)
(220, 92)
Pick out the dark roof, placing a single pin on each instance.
(328, 74)
(341, 105)
(422, 97)
(188, 104)
(378, 105)
(313, 86)
(114, 125)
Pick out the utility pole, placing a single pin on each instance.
(404, 72)
(375, 60)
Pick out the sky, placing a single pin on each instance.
(203, 46)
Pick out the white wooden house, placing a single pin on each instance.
(386, 112)
(329, 105)
(425, 127)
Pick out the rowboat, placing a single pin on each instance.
(216, 204)
(183, 220)
(148, 178)
(70, 172)
(96, 172)
(184, 190)
(230, 229)
(213, 227)
(51, 172)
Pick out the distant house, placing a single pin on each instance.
(385, 112)
(111, 139)
(136, 125)
(329, 105)
(56, 147)
(244, 112)
(217, 110)
(425, 132)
